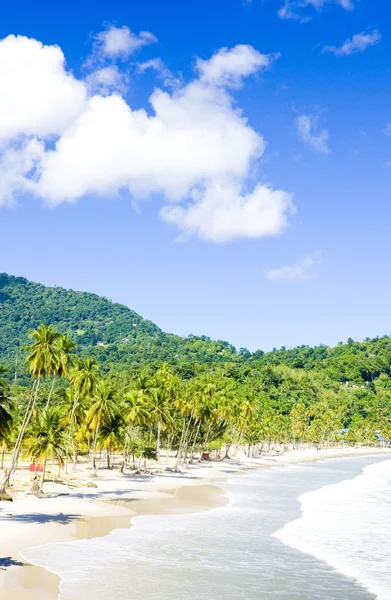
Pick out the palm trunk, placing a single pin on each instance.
(158, 442)
(168, 451)
(195, 439)
(178, 458)
(94, 447)
(51, 391)
(227, 449)
(239, 442)
(139, 462)
(26, 420)
(43, 474)
(72, 429)
(74, 451)
(188, 439)
(205, 442)
(126, 445)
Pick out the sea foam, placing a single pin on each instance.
(348, 526)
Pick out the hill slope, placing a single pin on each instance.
(119, 338)
(110, 332)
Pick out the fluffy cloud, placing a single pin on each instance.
(228, 66)
(121, 42)
(15, 162)
(38, 96)
(302, 270)
(106, 80)
(195, 136)
(294, 9)
(358, 43)
(63, 138)
(306, 127)
(223, 213)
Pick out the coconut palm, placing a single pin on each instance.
(42, 358)
(84, 378)
(103, 406)
(159, 412)
(64, 359)
(47, 439)
(112, 433)
(136, 411)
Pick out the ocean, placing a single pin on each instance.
(314, 531)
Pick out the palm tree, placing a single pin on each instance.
(112, 433)
(47, 439)
(64, 358)
(103, 406)
(41, 360)
(83, 377)
(159, 412)
(136, 408)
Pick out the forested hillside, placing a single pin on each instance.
(118, 338)
(112, 333)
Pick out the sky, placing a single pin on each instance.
(221, 167)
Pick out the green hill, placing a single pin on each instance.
(120, 339)
(110, 332)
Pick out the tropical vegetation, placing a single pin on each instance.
(172, 400)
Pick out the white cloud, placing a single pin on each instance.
(222, 213)
(157, 65)
(121, 41)
(302, 270)
(38, 96)
(229, 66)
(106, 80)
(194, 136)
(295, 9)
(306, 126)
(15, 162)
(358, 43)
(62, 141)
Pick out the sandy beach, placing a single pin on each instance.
(85, 512)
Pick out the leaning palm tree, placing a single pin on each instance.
(47, 439)
(42, 357)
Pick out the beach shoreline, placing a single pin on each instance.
(84, 513)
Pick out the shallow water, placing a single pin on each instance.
(241, 551)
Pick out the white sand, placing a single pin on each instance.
(87, 512)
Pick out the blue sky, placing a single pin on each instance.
(276, 229)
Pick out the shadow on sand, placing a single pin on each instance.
(63, 519)
(8, 561)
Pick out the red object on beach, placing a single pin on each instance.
(205, 456)
(39, 469)
(32, 468)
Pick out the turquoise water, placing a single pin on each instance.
(283, 536)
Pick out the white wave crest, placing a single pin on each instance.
(348, 525)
